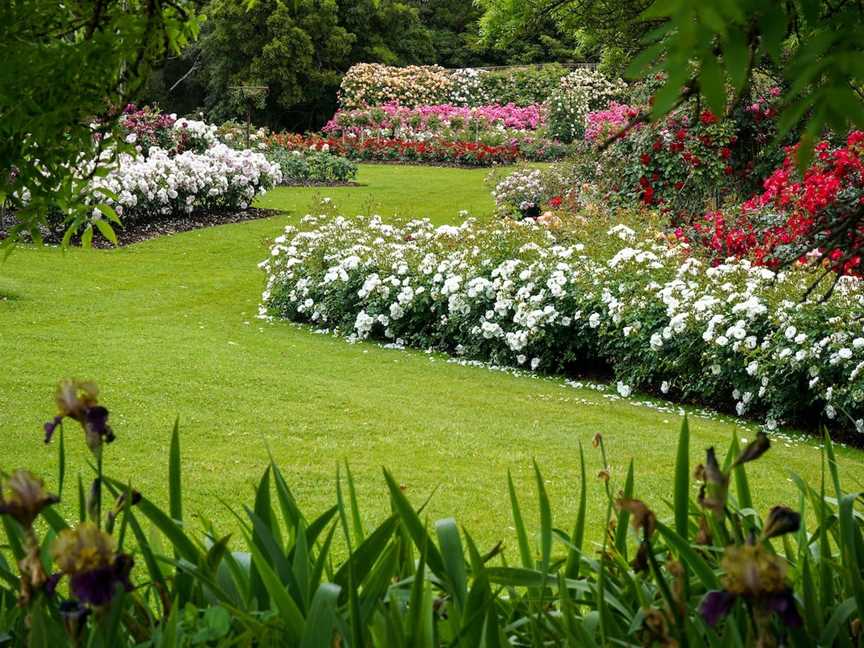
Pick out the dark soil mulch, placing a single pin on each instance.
(137, 232)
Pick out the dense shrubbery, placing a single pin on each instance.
(370, 84)
(312, 166)
(159, 184)
(577, 94)
(814, 215)
(373, 84)
(711, 571)
(445, 121)
(733, 336)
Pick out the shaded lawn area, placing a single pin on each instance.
(168, 328)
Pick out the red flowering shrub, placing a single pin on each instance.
(682, 164)
(816, 214)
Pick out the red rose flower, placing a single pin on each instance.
(645, 158)
(707, 118)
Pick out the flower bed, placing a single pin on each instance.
(160, 184)
(395, 150)
(373, 84)
(733, 336)
(423, 122)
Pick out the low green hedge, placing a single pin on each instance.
(312, 167)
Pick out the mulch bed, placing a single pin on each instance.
(137, 232)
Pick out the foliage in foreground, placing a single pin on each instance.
(714, 573)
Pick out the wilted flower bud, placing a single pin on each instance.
(754, 449)
(641, 517)
(712, 495)
(781, 520)
(23, 497)
(596, 440)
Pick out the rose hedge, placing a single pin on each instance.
(424, 122)
(160, 184)
(373, 84)
(459, 153)
(734, 336)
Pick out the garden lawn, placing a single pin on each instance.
(168, 329)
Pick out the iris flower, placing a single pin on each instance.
(89, 557)
(80, 401)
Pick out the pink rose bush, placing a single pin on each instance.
(421, 122)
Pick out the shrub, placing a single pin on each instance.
(161, 184)
(467, 88)
(711, 571)
(603, 124)
(733, 336)
(150, 128)
(577, 94)
(373, 84)
(311, 167)
(233, 134)
(423, 122)
(522, 86)
(684, 164)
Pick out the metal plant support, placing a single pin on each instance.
(253, 95)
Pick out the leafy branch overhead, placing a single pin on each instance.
(717, 46)
(98, 53)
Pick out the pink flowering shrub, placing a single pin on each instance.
(392, 119)
(601, 124)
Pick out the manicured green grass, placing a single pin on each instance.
(168, 328)
(404, 191)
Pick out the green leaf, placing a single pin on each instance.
(288, 610)
(689, 557)
(364, 556)
(454, 559)
(574, 553)
(414, 526)
(736, 56)
(107, 231)
(61, 463)
(323, 616)
(175, 492)
(87, 237)
(682, 481)
(623, 515)
(521, 535)
(712, 84)
(185, 547)
(545, 521)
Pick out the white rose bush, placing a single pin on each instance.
(161, 184)
(735, 336)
